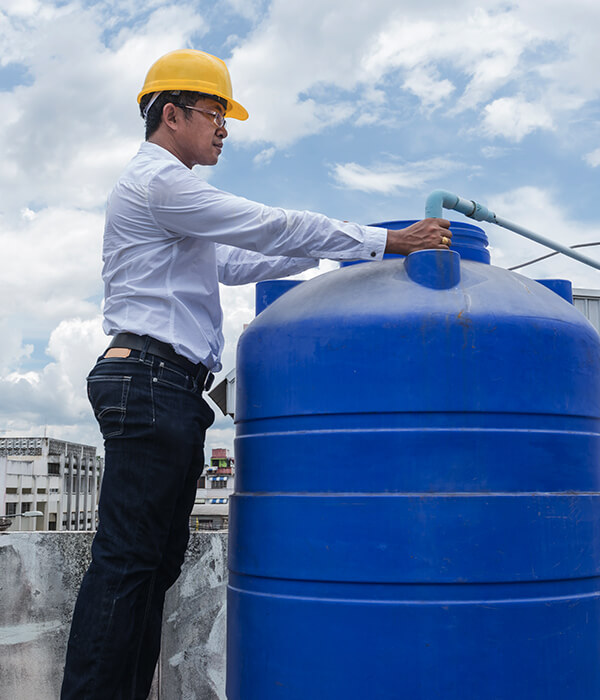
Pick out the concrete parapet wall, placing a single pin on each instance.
(40, 574)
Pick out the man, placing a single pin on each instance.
(170, 238)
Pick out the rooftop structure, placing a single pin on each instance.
(211, 509)
(59, 480)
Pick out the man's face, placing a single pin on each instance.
(200, 140)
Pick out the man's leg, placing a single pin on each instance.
(153, 424)
(167, 574)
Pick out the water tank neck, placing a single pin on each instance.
(436, 269)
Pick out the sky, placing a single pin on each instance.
(357, 110)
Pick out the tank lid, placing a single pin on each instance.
(469, 241)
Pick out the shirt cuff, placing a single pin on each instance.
(374, 243)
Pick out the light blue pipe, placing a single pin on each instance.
(439, 199)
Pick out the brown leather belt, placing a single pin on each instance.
(165, 352)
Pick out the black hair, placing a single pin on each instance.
(176, 97)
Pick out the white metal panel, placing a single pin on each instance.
(588, 302)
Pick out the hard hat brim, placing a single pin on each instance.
(234, 109)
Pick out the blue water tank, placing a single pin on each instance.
(417, 509)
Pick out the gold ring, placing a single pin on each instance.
(445, 240)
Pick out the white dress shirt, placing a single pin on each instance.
(170, 238)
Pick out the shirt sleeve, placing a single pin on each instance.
(238, 266)
(183, 204)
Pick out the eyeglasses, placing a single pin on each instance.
(218, 118)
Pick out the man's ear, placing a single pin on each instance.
(170, 116)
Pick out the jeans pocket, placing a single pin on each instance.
(108, 396)
(173, 377)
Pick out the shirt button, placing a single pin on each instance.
(373, 253)
(154, 379)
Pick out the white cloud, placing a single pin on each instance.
(485, 45)
(514, 118)
(12, 350)
(390, 178)
(52, 265)
(306, 68)
(428, 87)
(70, 131)
(264, 157)
(292, 72)
(494, 151)
(24, 8)
(55, 395)
(250, 9)
(593, 158)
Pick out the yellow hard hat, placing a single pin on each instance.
(197, 71)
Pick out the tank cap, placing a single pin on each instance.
(268, 291)
(563, 288)
(436, 269)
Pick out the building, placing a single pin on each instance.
(588, 302)
(211, 509)
(217, 481)
(60, 480)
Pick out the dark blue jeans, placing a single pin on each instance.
(153, 419)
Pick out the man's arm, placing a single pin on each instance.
(239, 266)
(183, 204)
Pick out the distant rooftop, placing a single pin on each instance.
(37, 446)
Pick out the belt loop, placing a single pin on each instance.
(147, 341)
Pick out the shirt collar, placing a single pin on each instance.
(153, 149)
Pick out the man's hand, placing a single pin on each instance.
(429, 233)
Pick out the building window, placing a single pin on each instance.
(11, 509)
(53, 468)
(25, 506)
